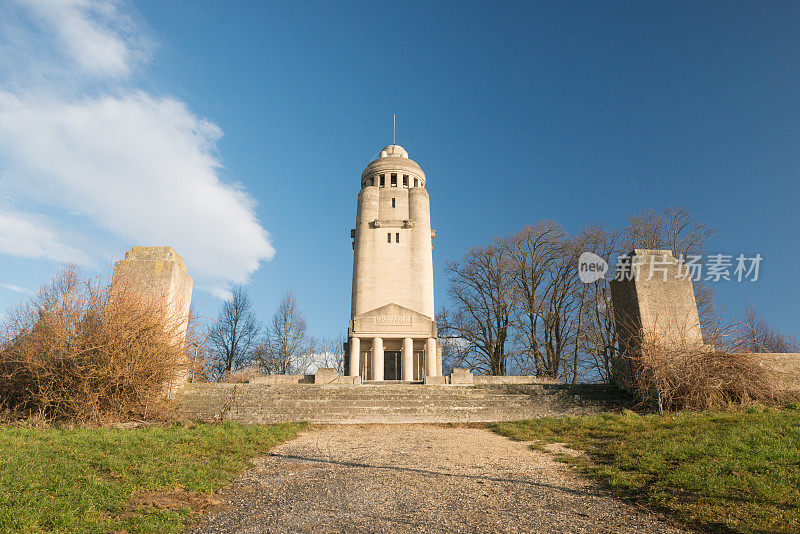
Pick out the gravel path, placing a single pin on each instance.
(415, 478)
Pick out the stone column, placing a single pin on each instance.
(408, 359)
(355, 356)
(430, 357)
(377, 359)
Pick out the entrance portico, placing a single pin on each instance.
(392, 359)
(393, 343)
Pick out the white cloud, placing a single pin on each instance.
(117, 165)
(28, 237)
(95, 34)
(15, 289)
(140, 167)
(222, 293)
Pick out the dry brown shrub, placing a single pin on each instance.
(711, 376)
(78, 351)
(697, 379)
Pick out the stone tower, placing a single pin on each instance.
(392, 332)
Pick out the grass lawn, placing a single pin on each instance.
(726, 472)
(89, 480)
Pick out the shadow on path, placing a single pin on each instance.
(429, 472)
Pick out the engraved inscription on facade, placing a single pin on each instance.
(393, 319)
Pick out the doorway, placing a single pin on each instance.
(391, 365)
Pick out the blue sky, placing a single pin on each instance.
(237, 132)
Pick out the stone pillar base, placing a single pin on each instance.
(435, 381)
(462, 377)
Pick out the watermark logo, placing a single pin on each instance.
(591, 267)
(690, 267)
(694, 267)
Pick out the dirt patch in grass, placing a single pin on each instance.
(170, 500)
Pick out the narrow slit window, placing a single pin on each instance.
(383, 180)
(389, 237)
(405, 180)
(394, 180)
(397, 237)
(416, 182)
(393, 203)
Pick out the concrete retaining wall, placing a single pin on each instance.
(784, 367)
(324, 376)
(282, 379)
(517, 379)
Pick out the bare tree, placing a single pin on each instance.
(532, 253)
(645, 230)
(685, 235)
(234, 334)
(456, 352)
(329, 352)
(520, 302)
(481, 289)
(562, 312)
(525, 288)
(757, 335)
(598, 334)
(287, 348)
(548, 300)
(675, 229)
(678, 230)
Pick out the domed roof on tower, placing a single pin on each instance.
(393, 159)
(394, 151)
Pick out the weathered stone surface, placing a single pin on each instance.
(326, 375)
(657, 301)
(461, 377)
(400, 272)
(654, 302)
(513, 379)
(350, 380)
(435, 380)
(394, 322)
(783, 367)
(390, 403)
(282, 379)
(158, 275)
(657, 305)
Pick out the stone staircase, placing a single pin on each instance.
(392, 403)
